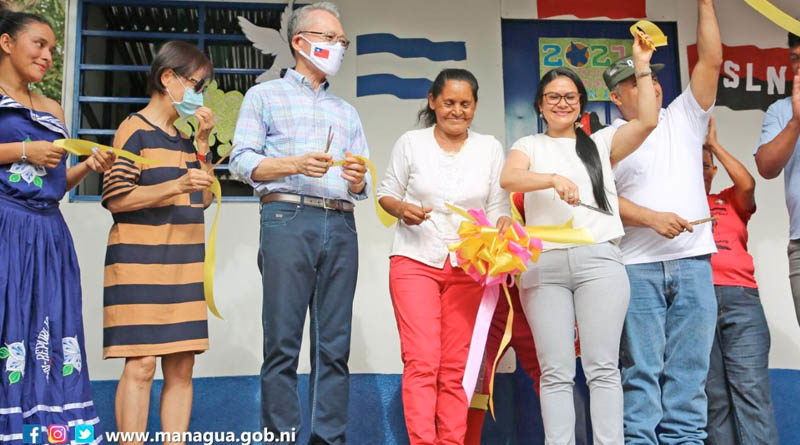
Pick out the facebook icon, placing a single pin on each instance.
(31, 433)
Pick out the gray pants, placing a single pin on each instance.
(794, 274)
(588, 284)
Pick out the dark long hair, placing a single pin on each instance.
(426, 115)
(584, 145)
(12, 22)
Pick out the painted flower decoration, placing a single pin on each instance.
(27, 172)
(225, 106)
(72, 355)
(14, 355)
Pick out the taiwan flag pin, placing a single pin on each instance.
(321, 53)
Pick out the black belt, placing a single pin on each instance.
(324, 203)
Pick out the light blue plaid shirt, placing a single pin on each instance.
(286, 117)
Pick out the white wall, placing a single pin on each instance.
(236, 341)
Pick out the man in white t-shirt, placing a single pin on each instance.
(669, 327)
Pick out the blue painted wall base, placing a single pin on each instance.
(376, 411)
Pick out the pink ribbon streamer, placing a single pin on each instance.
(479, 334)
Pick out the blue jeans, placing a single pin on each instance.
(309, 262)
(666, 345)
(739, 404)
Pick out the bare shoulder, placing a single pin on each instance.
(44, 103)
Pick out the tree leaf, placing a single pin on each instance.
(67, 370)
(38, 181)
(14, 177)
(14, 377)
(4, 353)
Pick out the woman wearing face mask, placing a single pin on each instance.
(153, 296)
(435, 302)
(586, 283)
(43, 367)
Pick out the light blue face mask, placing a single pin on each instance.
(192, 100)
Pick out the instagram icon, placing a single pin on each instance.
(57, 433)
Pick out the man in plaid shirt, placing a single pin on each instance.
(289, 132)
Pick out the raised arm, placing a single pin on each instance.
(667, 224)
(709, 49)
(773, 154)
(744, 186)
(631, 135)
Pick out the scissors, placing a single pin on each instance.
(596, 209)
(330, 139)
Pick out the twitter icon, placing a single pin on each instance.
(84, 433)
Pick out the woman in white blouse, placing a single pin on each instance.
(585, 283)
(435, 302)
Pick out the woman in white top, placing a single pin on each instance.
(435, 302)
(585, 283)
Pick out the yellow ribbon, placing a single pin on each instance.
(562, 234)
(480, 250)
(655, 36)
(507, 332)
(776, 15)
(383, 216)
(479, 401)
(80, 147)
(209, 264)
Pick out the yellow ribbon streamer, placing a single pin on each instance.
(80, 147)
(503, 344)
(383, 216)
(655, 36)
(209, 264)
(563, 234)
(479, 401)
(776, 15)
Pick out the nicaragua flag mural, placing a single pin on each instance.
(403, 67)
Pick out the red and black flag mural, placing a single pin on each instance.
(751, 78)
(613, 9)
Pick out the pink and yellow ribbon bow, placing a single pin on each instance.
(493, 261)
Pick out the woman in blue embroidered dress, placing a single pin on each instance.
(43, 375)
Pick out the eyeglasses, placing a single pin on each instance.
(329, 37)
(199, 86)
(555, 98)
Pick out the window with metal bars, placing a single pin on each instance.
(116, 43)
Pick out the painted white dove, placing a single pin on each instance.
(271, 41)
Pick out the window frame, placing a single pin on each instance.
(201, 38)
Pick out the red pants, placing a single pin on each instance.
(435, 311)
(521, 341)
